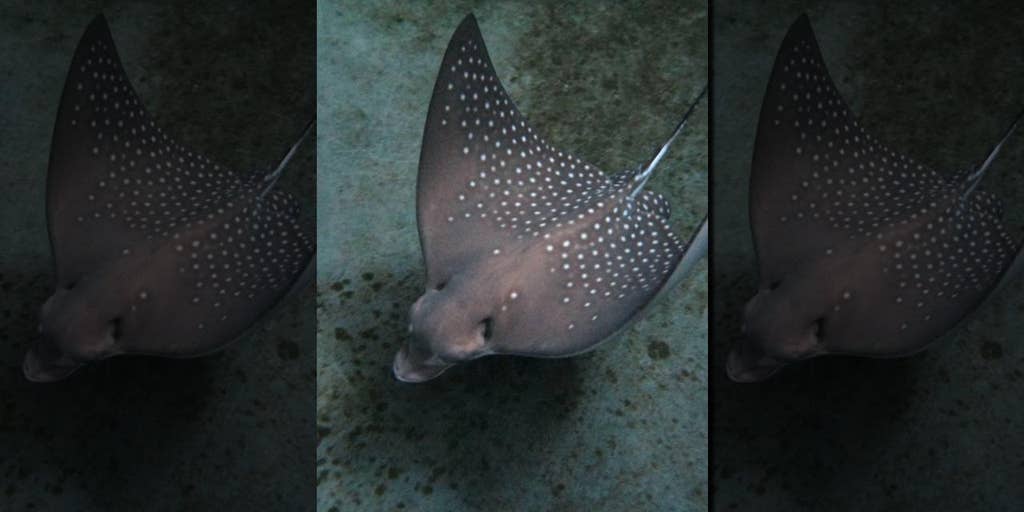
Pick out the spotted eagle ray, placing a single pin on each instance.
(529, 250)
(158, 250)
(861, 250)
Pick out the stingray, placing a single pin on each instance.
(861, 250)
(158, 249)
(529, 250)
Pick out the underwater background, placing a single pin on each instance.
(943, 429)
(623, 427)
(230, 431)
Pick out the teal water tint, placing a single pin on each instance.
(941, 430)
(623, 427)
(231, 431)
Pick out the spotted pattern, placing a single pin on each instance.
(601, 244)
(231, 241)
(936, 240)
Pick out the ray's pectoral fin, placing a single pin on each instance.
(480, 162)
(102, 133)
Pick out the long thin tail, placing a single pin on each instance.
(641, 179)
(976, 176)
(271, 178)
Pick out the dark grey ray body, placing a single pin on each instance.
(861, 250)
(158, 250)
(529, 250)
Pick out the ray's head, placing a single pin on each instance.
(78, 324)
(447, 326)
(783, 323)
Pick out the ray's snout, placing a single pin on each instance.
(69, 336)
(776, 331)
(413, 364)
(442, 333)
(415, 361)
(748, 363)
(44, 362)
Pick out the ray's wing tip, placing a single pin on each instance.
(467, 32)
(468, 28)
(98, 31)
(468, 21)
(98, 28)
(802, 21)
(801, 28)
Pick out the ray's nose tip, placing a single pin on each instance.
(413, 368)
(37, 368)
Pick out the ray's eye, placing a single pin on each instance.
(70, 286)
(488, 324)
(440, 286)
(116, 328)
(774, 285)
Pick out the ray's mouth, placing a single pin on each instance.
(747, 363)
(412, 367)
(42, 368)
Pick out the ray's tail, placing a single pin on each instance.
(974, 178)
(641, 179)
(271, 178)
